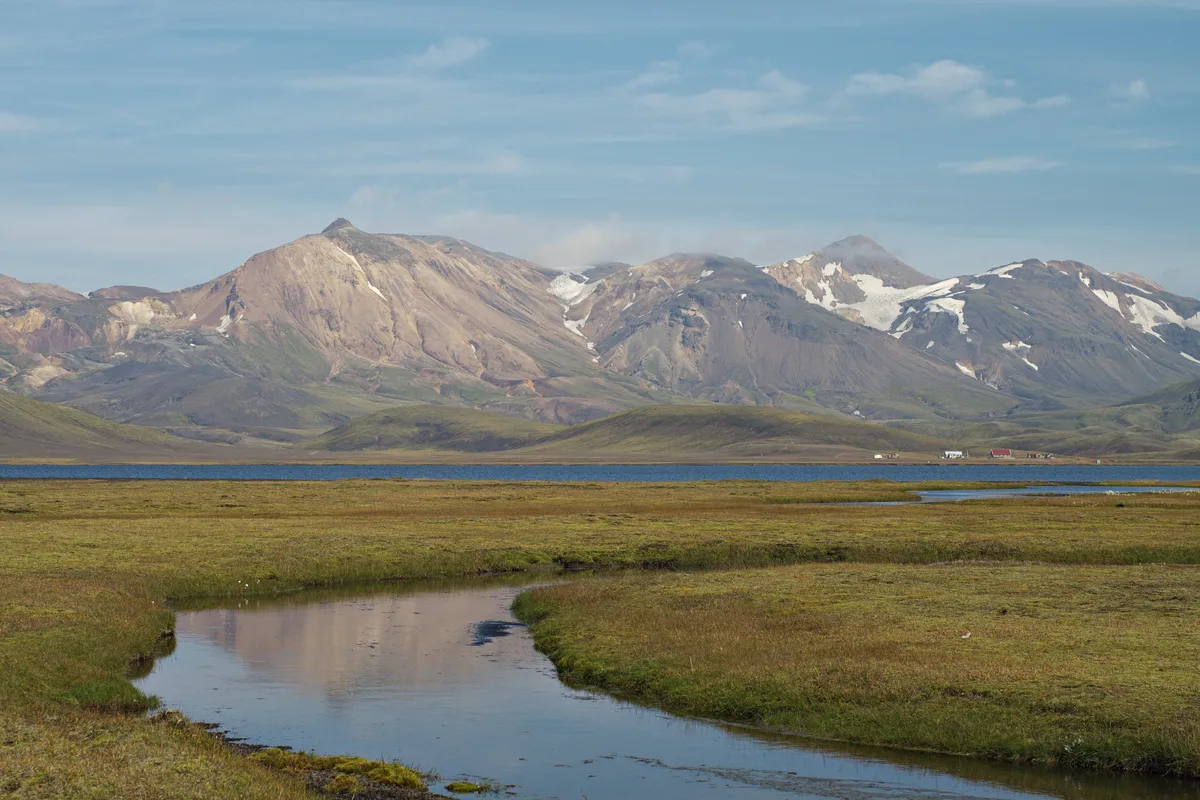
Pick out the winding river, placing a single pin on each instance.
(441, 676)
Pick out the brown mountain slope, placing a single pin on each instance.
(308, 334)
(337, 324)
(721, 329)
(397, 300)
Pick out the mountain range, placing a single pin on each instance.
(341, 324)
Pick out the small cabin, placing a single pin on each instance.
(955, 455)
(1002, 454)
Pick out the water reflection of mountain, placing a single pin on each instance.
(341, 647)
(353, 649)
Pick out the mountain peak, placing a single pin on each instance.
(864, 255)
(1137, 281)
(858, 241)
(341, 223)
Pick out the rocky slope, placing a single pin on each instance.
(340, 324)
(720, 329)
(1054, 334)
(310, 334)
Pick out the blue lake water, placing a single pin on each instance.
(1016, 473)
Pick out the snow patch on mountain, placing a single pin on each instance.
(954, 306)
(575, 326)
(1004, 272)
(361, 271)
(1018, 348)
(1110, 299)
(884, 304)
(571, 290)
(1148, 314)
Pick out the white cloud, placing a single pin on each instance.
(1133, 92)
(18, 123)
(659, 73)
(772, 104)
(1002, 165)
(952, 84)
(449, 52)
(940, 79)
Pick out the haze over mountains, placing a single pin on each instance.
(340, 324)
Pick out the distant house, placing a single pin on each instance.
(1002, 454)
(955, 455)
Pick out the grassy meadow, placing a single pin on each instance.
(1076, 666)
(88, 570)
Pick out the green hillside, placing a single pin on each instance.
(1178, 407)
(423, 427)
(33, 429)
(1166, 423)
(729, 430)
(676, 430)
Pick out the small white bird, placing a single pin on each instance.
(966, 635)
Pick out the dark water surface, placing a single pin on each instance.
(441, 677)
(611, 472)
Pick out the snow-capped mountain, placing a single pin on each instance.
(343, 322)
(1053, 331)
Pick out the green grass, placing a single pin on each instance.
(1076, 666)
(43, 429)
(87, 570)
(426, 427)
(714, 430)
(708, 428)
(1165, 423)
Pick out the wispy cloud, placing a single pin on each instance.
(962, 87)
(506, 164)
(449, 52)
(1145, 144)
(773, 103)
(1132, 93)
(1007, 165)
(657, 74)
(19, 123)
(1186, 169)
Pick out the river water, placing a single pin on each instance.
(440, 676)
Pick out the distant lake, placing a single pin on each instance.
(1016, 473)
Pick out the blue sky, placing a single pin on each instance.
(162, 143)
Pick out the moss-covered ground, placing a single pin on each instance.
(88, 570)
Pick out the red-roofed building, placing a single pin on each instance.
(1002, 454)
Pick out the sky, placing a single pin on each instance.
(160, 143)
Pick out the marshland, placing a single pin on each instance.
(1045, 631)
